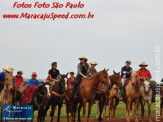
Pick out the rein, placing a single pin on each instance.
(57, 94)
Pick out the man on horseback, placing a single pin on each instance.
(92, 69)
(33, 81)
(82, 68)
(8, 69)
(145, 74)
(125, 75)
(19, 79)
(54, 74)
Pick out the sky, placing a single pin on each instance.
(120, 30)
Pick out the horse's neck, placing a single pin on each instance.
(95, 80)
(112, 80)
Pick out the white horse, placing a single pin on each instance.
(146, 97)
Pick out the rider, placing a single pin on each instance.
(145, 73)
(71, 78)
(125, 75)
(33, 81)
(19, 79)
(92, 69)
(82, 68)
(54, 74)
(8, 69)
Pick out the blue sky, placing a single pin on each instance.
(121, 30)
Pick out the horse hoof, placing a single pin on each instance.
(150, 120)
(130, 114)
(136, 120)
(108, 119)
(97, 116)
(128, 120)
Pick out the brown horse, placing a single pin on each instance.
(114, 93)
(133, 94)
(6, 95)
(88, 89)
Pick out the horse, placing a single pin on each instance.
(56, 98)
(146, 97)
(133, 94)
(87, 90)
(6, 95)
(114, 94)
(39, 99)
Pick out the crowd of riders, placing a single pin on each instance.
(84, 70)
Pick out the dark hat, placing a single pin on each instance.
(128, 61)
(54, 63)
(72, 73)
(19, 71)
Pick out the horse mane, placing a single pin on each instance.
(94, 76)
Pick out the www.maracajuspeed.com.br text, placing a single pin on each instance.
(45, 16)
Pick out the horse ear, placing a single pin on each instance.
(114, 72)
(104, 70)
(67, 74)
(107, 69)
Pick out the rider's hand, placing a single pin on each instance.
(124, 76)
(85, 77)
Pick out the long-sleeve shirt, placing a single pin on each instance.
(126, 71)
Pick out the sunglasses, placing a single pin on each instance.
(33, 75)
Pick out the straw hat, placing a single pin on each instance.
(8, 68)
(94, 62)
(83, 57)
(143, 64)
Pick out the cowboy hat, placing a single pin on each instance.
(83, 57)
(8, 68)
(143, 64)
(94, 62)
(128, 61)
(72, 73)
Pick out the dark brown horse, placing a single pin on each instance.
(88, 89)
(161, 103)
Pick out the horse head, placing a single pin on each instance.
(44, 89)
(116, 79)
(146, 85)
(63, 81)
(8, 81)
(104, 77)
(135, 79)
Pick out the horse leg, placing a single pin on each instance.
(79, 109)
(115, 106)
(110, 107)
(89, 110)
(149, 110)
(142, 110)
(52, 112)
(105, 110)
(59, 112)
(128, 109)
(67, 111)
(101, 105)
(135, 110)
(84, 108)
(97, 111)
